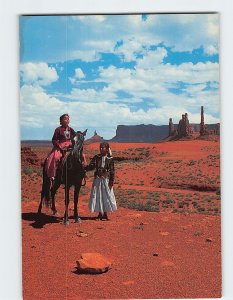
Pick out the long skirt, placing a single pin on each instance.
(102, 199)
(54, 158)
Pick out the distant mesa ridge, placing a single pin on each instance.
(148, 133)
(140, 133)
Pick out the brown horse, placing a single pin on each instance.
(70, 174)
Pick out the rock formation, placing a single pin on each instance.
(140, 133)
(172, 130)
(94, 139)
(184, 129)
(203, 127)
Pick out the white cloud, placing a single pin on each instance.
(129, 49)
(39, 73)
(91, 95)
(213, 25)
(78, 75)
(38, 108)
(100, 45)
(85, 55)
(90, 19)
(211, 50)
(150, 79)
(152, 59)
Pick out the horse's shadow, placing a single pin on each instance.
(39, 219)
(84, 218)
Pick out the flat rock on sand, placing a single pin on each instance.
(93, 263)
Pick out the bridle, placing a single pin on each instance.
(75, 153)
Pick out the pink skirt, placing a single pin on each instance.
(54, 158)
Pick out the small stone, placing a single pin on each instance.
(155, 254)
(164, 233)
(209, 240)
(144, 223)
(82, 234)
(93, 263)
(128, 282)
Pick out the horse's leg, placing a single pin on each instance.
(67, 200)
(41, 201)
(76, 194)
(44, 191)
(53, 191)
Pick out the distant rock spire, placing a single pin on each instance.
(171, 127)
(202, 124)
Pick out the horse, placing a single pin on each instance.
(70, 174)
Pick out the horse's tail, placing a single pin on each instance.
(45, 192)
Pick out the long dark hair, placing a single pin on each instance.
(62, 116)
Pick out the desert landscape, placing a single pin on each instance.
(164, 241)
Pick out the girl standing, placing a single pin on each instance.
(102, 198)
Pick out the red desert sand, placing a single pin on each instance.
(164, 241)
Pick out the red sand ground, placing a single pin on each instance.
(172, 253)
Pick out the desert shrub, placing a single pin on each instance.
(197, 233)
(191, 162)
(39, 172)
(218, 192)
(181, 204)
(28, 170)
(201, 209)
(168, 201)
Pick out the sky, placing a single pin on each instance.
(109, 70)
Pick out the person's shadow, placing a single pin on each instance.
(39, 220)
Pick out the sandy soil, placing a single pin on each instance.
(164, 240)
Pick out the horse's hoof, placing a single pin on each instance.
(78, 220)
(55, 213)
(66, 222)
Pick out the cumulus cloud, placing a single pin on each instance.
(211, 50)
(85, 55)
(37, 107)
(78, 75)
(181, 32)
(152, 59)
(151, 82)
(151, 75)
(39, 73)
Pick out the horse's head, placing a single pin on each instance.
(78, 144)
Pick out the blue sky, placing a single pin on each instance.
(106, 70)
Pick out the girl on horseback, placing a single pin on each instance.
(102, 198)
(62, 140)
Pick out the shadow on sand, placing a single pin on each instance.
(40, 219)
(80, 272)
